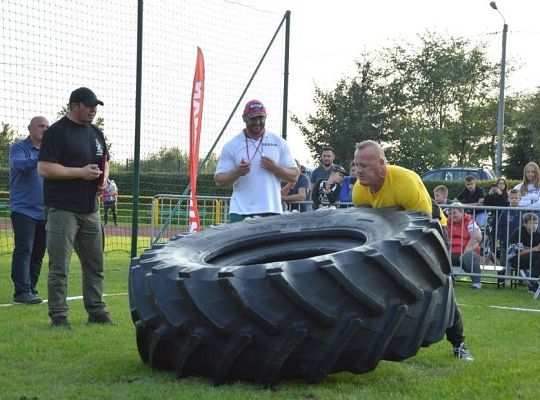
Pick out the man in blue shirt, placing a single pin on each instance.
(27, 213)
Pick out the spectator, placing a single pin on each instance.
(530, 187)
(440, 194)
(109, 199)
(383, 185)
(71, 151)
(297, 190)
(27, 213)
(465, 237)
(323, 171)
(345, 195)
(498, 194)
(255, 162)
(326, 191)
(474, 196)
(509, 220)
(524, 250)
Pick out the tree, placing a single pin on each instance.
(7, 137)
(524, 145)
(432, 105)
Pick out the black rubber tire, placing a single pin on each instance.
(298, 295)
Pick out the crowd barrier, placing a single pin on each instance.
(167, 216)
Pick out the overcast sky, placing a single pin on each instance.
(326, 37)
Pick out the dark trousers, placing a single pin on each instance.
(112, 207)
(28, 253)
(454, 334)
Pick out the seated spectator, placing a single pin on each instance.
(498, 194)
(326, 191)
(465, 237)
(530, 187)
(474, 196)
(296, 191)
(509, 220)
(524, 250)
(440, 195)
(345, 195)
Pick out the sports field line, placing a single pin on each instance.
(503, 308)
(68, 299)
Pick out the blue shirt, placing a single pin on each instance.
(25, 185)
(345, 196)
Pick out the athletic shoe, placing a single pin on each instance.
(462, 352)
(533, 287)
(27, 298)
(61, 322)
(104, 319)
(477, 286)
(537, 294)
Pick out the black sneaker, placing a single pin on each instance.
(104, 319)
(27, 298)
(533, 287)
(462, 352)
(61, 322)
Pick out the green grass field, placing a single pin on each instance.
(101, 362)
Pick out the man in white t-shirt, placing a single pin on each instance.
(255, 162)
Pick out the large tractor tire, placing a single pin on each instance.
(298, 295)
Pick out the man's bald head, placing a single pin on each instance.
(370, 164)
(37, 126)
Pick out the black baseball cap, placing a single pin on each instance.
(85, 96)
(338, 168)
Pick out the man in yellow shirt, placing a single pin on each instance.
(382, 185)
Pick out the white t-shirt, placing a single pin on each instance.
(259, 191)
(531, 198)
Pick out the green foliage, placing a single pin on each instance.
(431, 106)
(524, 145)
(7, 137)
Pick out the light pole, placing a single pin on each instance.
(500, 113)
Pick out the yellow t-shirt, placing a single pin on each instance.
(402, 188)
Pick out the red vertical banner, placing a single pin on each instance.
(197, 99)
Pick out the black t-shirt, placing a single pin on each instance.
(72, 145)
(467, 197)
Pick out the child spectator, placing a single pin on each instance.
(326, 191)
(524, 250)
(345, 196)
(509, 220)
(109, 199)
(465, 237)
(530, 187)
(440, 194)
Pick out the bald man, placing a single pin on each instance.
(382, 185)
(27, 213)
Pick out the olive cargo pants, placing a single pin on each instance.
(68, 231)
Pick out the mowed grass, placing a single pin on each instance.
(101, 362)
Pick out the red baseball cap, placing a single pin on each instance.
(254, 108)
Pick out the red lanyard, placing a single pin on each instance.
(256, 148)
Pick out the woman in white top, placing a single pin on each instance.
(530, 187)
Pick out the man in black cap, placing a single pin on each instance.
(72, 152)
